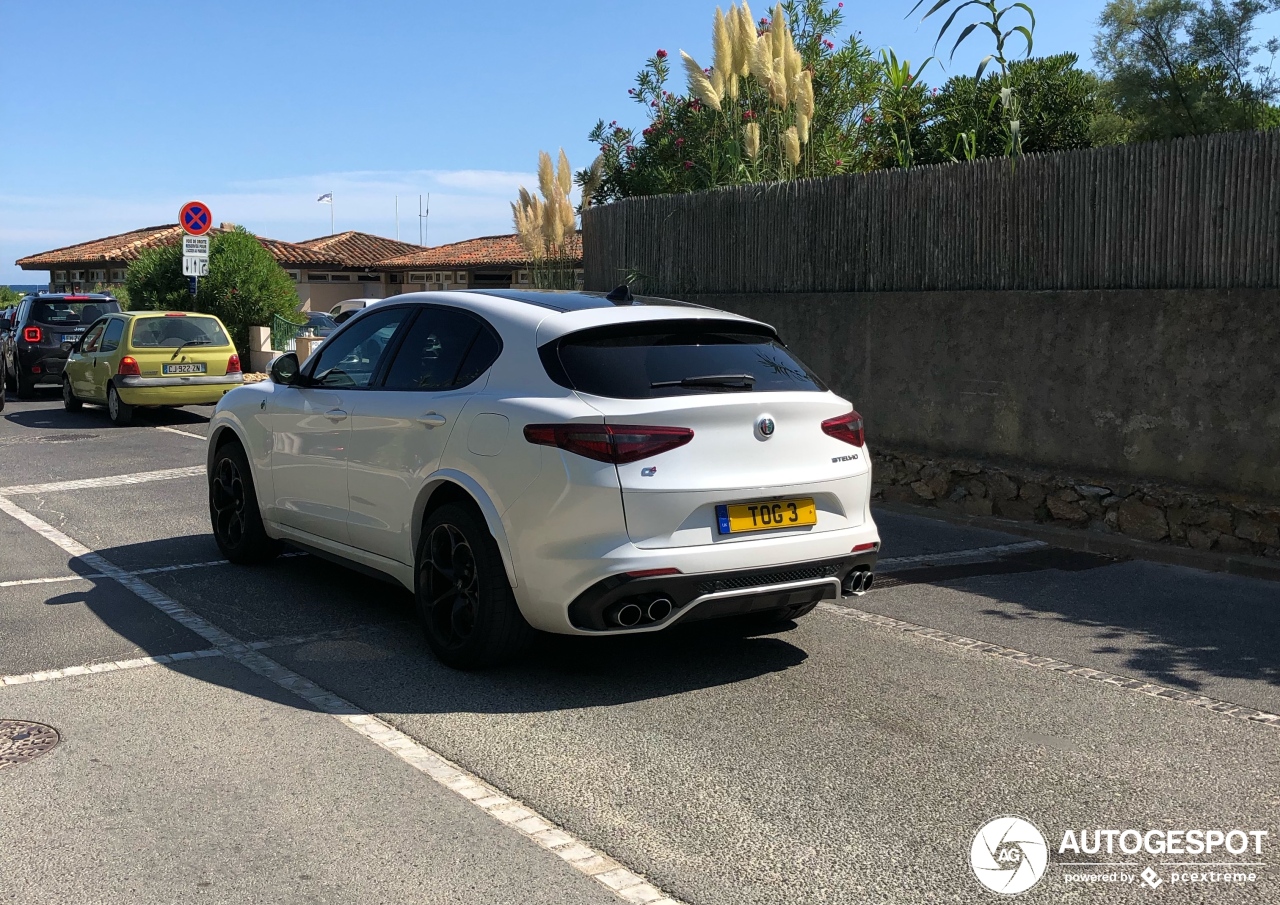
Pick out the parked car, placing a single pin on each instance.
(345, 310)
(320, 323)
(571, 462)
(45, 328)
(151, 358)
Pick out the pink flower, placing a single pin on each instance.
(662, 54)
(840, 5)
(840, 163)
(688, 164)
(679, 142)
(868, 118)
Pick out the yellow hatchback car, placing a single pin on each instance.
(150, 358)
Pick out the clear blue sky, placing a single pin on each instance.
(116, 113)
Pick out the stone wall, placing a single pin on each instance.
(1147, 511)
(1179, 387)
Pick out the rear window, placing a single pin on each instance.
(675, 358)
(171, 332)
(66, 313)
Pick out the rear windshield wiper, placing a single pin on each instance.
(198, 341)
(714, 381)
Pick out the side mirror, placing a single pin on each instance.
(285, 369)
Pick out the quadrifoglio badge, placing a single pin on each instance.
(1010, 855)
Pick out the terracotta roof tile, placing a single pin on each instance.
(497, 250)
(128, 246)
(357, 249)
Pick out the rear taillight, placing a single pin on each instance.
(616, 443)
(129, 367)
(233, 364)
(847, 428)
(31, 334)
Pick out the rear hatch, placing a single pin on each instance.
(759, 462)
(62, 320)
(177, 344)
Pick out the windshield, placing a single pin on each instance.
(67, 313)
(171, 332)
(676, 358)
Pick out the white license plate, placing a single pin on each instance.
(70, 337)
(183, 369)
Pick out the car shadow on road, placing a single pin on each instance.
(96, 417)
(1171, 625)
(373, 652)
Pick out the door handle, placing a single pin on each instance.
(432, 420)
(335, 414)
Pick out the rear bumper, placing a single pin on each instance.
(49, 361)
(199, 390)
(715, 594)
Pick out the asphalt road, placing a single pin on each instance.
(849, 757)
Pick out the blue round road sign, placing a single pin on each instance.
(195, 218)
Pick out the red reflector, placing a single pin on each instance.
(233, 364)
(129, 367)
(864, 547)
(31, 334)
(35, 369)
(649, 573)
(616, 443)
(847, 428)
(176, 314)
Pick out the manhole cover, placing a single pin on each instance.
(68, 438)
(21, 741)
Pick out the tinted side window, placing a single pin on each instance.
(484, 352)
(350, 358)
(434, 350)
(111, 339)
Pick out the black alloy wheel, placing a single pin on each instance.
(465, 603)
(233, 509)
(25, 387)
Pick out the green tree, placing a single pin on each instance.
(733, 125)
(245, 286)
(9, 297)
(1185, 67)
(1059, 102)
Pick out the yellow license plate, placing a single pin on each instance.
(767, 515)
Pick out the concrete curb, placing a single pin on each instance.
(1106, 544)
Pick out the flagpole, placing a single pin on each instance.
(331, 206)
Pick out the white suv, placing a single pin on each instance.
(567, 461)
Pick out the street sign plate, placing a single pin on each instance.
(195, 267)
(195, 246)
(196, 218)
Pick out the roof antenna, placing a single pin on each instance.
(621, 296)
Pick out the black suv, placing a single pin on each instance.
(42, 334)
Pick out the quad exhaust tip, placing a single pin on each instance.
(660, 609)
(858, 583)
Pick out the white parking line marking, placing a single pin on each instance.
(60, 578)
(46, 675)
(953, 556)
(110, 666)
(141, 477)
(627, 884)
(155, 570)
(174, 430)
(1053, 665)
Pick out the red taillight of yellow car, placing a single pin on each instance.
(233, 364)
(129, 367)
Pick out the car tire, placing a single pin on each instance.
(233, 509)
(9, 380)
(24, 387)
(120, 411)
(465, 603)
(69, 400)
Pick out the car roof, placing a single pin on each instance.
(74, 296)
(577, 300)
